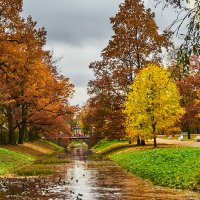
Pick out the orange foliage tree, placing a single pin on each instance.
(33, 94)
(189, 87)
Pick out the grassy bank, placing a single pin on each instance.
(169, 167)
(32, 158)
(10, 160)
(107, 147)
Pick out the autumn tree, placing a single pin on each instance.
(185, 73)
(188, 85)
(135, 43)
(86, 116)
(81, 119)
(189, 17)
(11, 52)
(49, 110)
(197, 105)
(152, 104)
(30, 83)
(21, 47)
(42, 105)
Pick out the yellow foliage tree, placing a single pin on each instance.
(152, 104)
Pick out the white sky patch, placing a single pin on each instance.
(74, 64)
(80, 96)
(75, 61)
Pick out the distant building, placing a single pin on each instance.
(77, 130)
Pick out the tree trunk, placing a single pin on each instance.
(142, 142)
(23, 128)
(21, 136)
(10, 126)
(154, 141)
(154, 134)
(188, 130)
(138, 141)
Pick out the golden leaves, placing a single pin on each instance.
(153, 101)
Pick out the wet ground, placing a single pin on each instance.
(87, 180)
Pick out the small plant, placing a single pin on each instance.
(35, 170)
(51, 159)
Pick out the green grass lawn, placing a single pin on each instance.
(170, 167)
(31, 158)
(10, 160)
(53, 145)
(106, 145)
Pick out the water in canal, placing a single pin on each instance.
(87, 180)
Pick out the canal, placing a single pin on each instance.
(85, 179)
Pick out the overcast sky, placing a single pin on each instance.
(78, 30)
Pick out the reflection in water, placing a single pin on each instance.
(78, 153)
(86, 180)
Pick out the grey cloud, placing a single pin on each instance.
(78, 22)
(73, 21)
(75, 60)
(77, 31)
(80, 79)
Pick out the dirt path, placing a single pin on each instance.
(179, 143)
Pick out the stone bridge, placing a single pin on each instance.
(84, 138)
(89, 140)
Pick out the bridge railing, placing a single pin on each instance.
(79, 137)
